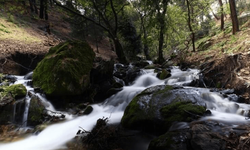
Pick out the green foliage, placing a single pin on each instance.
(16, 91)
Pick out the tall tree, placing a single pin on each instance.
(141, 10)
(190, 12)
(44, 9)
(105, 16)
(161, 13)
(221, 15)
(234, 16)
(158, 10)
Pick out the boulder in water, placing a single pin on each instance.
(153, 108)
(65, 70)
(36, 112)
(163, 74)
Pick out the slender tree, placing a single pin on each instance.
(234, 16)
(190, 25)
(221, 15)
(140, 8)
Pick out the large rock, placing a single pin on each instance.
(198, 136)
(65, 70)
(36, 111)
(153, 108)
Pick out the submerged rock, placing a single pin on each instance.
(65, 70)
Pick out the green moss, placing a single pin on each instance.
(16, 90)
(164, 74)
(165, 91)
(133, 115)
(141, 111)
(181, 111)
(65, 69)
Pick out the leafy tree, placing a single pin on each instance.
(142, 11)
(105, 14)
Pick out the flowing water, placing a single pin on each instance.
(55, 136)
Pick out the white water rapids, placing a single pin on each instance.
(57, 135)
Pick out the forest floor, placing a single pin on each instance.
(224, 58)
(24, 32)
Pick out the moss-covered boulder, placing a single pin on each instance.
(65, 70)
(148, 110)
(17, 90)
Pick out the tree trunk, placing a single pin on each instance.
(34, 4)
(145, 49)
(234, 16)
(161, 40)
(221, 15)
(41, 8)
(119, 51)
(46, 9)
(190, 26)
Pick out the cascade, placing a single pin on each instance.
(26, 111)
(57, 135)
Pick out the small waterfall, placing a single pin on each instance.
(26, 111)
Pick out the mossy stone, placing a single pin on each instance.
(184, 111)
(35, 115)
(65, 70)
(142, 112)
(16, 90)
(163, 74)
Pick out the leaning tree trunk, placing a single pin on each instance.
(234, 16)
(221, 15)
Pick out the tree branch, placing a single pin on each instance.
(85, 17)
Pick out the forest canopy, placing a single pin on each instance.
(157, 30)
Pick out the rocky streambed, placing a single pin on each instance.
(171, 106)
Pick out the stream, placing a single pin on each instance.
(55, 136)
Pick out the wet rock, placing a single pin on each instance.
(174, 140)
(103, 84)
(163, 74)
(127, 73)
(140, 64)
(88, 110)
(36, 112)
(149, 110)
(204, 138)
(65, 70)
